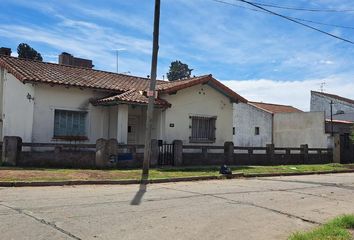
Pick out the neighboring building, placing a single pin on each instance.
(342, 108)
(253, 122)
(342, 111)
(297, 128)
(257, 124)
(45, 102)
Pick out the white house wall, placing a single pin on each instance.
(246, 119)
(294, 129)
(197, 100)
(48, 98)
(17, 108)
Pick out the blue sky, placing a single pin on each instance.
(262, 57)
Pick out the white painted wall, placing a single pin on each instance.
(294, 129)
(246, 118)
(48, 98)
(2, 78)
(197, 100)
(122, 124)
(17, 109)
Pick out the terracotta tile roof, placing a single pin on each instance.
(35, 71)
(72, 76)
(351, 101)
(131, 96)
(177, 85)
(275, 108)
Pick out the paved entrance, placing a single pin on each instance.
(269, 208)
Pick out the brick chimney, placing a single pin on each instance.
(68, 59)
(5, 51)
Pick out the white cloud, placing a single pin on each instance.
(295, 93)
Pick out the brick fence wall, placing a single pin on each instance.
(109, 154)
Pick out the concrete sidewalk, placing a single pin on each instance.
(266, 208)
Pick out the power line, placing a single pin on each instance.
(302, 9)
(289, 19)
(299, 19)
(321, 23)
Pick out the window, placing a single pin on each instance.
(233, 131)
(202, 129)
(256, 131)
(70, 125)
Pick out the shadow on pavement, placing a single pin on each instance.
(142, 190)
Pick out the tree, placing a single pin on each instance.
(26, 51)
(178, 70)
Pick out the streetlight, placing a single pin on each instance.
(117, 56)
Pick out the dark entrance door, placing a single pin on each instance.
(346, 149)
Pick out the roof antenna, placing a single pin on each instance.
(322, 86)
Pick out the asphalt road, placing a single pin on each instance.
(268, 208)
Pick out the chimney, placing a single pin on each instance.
(68, 59)
(5, 51)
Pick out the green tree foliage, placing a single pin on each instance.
(178, 70)
(26, 51)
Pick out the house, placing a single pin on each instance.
(340, 118)
(45, 102)
(257, 124)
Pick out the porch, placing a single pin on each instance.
(127, 123)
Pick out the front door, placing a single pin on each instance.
(132, 130)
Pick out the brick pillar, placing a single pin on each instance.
(102, 157)
(228, 152)
(112, 146)
(305, 152)
(112, 152)
(154, 154)
(11, 150)
(270, 152)
(177, 152)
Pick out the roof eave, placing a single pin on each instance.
(115, 102)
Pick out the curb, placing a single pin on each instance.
(255, 175)
(151, 181)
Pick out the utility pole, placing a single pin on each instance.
(117, 57)
(151, 92)
(117, 60)
(332, 133)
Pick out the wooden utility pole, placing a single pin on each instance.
(151, 92)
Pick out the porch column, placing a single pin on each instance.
(122, 124)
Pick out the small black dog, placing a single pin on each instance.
(225, 170)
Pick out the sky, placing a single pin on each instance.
(260, 56)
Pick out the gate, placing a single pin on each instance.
(346, 149)
(166, 154)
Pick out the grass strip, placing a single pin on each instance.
(336, 229)
(12, 174)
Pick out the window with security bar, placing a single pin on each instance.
(202, 129)
(70, 125)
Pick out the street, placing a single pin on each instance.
(264, 208)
